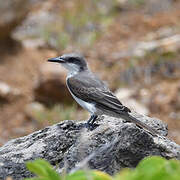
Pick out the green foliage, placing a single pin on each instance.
(45, 172)
(88, 175)
(43, 169)
(150, 168)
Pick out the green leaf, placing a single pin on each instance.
(125, 174)
(43, 169)
(99, 175)
(36, 179)
(79, 175)
(152, 168)
(87, 174)
(173, 168)
(37, 167)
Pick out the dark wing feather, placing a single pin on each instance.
(94, 90)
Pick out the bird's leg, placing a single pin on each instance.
(90, 119)
(90, 122)
(94, 119)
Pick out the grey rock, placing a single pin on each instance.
(111, 146)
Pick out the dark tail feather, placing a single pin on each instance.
(128, 117)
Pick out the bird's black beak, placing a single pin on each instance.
(57, 60)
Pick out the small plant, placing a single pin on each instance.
(150, 168)
(46, 172)
(43, 169)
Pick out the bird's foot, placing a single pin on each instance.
(90, 126)
(90, 123)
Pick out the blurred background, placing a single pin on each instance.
(134, 45)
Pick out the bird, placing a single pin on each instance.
(92, 93)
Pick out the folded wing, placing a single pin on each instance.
(93, 91)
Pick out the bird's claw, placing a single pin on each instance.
(90, 126)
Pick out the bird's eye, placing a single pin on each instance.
(71, 60)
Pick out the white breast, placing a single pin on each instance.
(88, 106)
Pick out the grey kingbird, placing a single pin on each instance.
(92, 93)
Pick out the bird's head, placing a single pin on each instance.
(73, 62)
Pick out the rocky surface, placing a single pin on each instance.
(111, 146)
